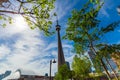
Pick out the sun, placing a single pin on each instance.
(19, 23)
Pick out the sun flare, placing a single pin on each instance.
(20, 23)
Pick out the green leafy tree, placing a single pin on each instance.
(81, 67)
(85, 30)
(108, 51)
(63, 73)
(36, 12)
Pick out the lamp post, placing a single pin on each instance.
(51, 66)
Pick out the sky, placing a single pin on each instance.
(31, 51)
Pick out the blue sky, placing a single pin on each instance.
(30, 50)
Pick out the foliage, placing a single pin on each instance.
(85, 30)
(81, 67)
(83, 27)
(36, 12)
(78, 72)
(111, 51)
(63, 73)
(107, 51)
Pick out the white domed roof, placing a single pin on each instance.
(18, 73)
(15, 75)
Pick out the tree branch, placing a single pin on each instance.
(25, 1)
(12, 12)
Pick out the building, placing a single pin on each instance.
(3, 75)
(21, 75)
(32, 77)
(96, 63)
(116, 59)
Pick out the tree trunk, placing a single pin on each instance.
(112, 69)
(104, 67)
(102, 63)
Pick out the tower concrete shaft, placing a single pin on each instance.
(61, 59)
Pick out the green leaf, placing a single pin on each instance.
(10, 20)
(110, 27)
(4, 25)
(1, 17)
(55, 14)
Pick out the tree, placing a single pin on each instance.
(63, 73)
(113, 51)
(81, 67)
(85, 30)
(36, 12)
(116, 58)
(108, 51)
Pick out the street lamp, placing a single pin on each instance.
(51, 66)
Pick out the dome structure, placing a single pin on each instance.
(17, 74)
(14, 75)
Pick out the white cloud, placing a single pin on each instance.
(62, 8)
(16, 27)
(118, 9)
(52, 45)
(29, 51)
(118, 30)
(109, 5)
(4, 51)
(103, 12)
(118, 42)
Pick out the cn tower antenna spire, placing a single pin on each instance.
(57, 20)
